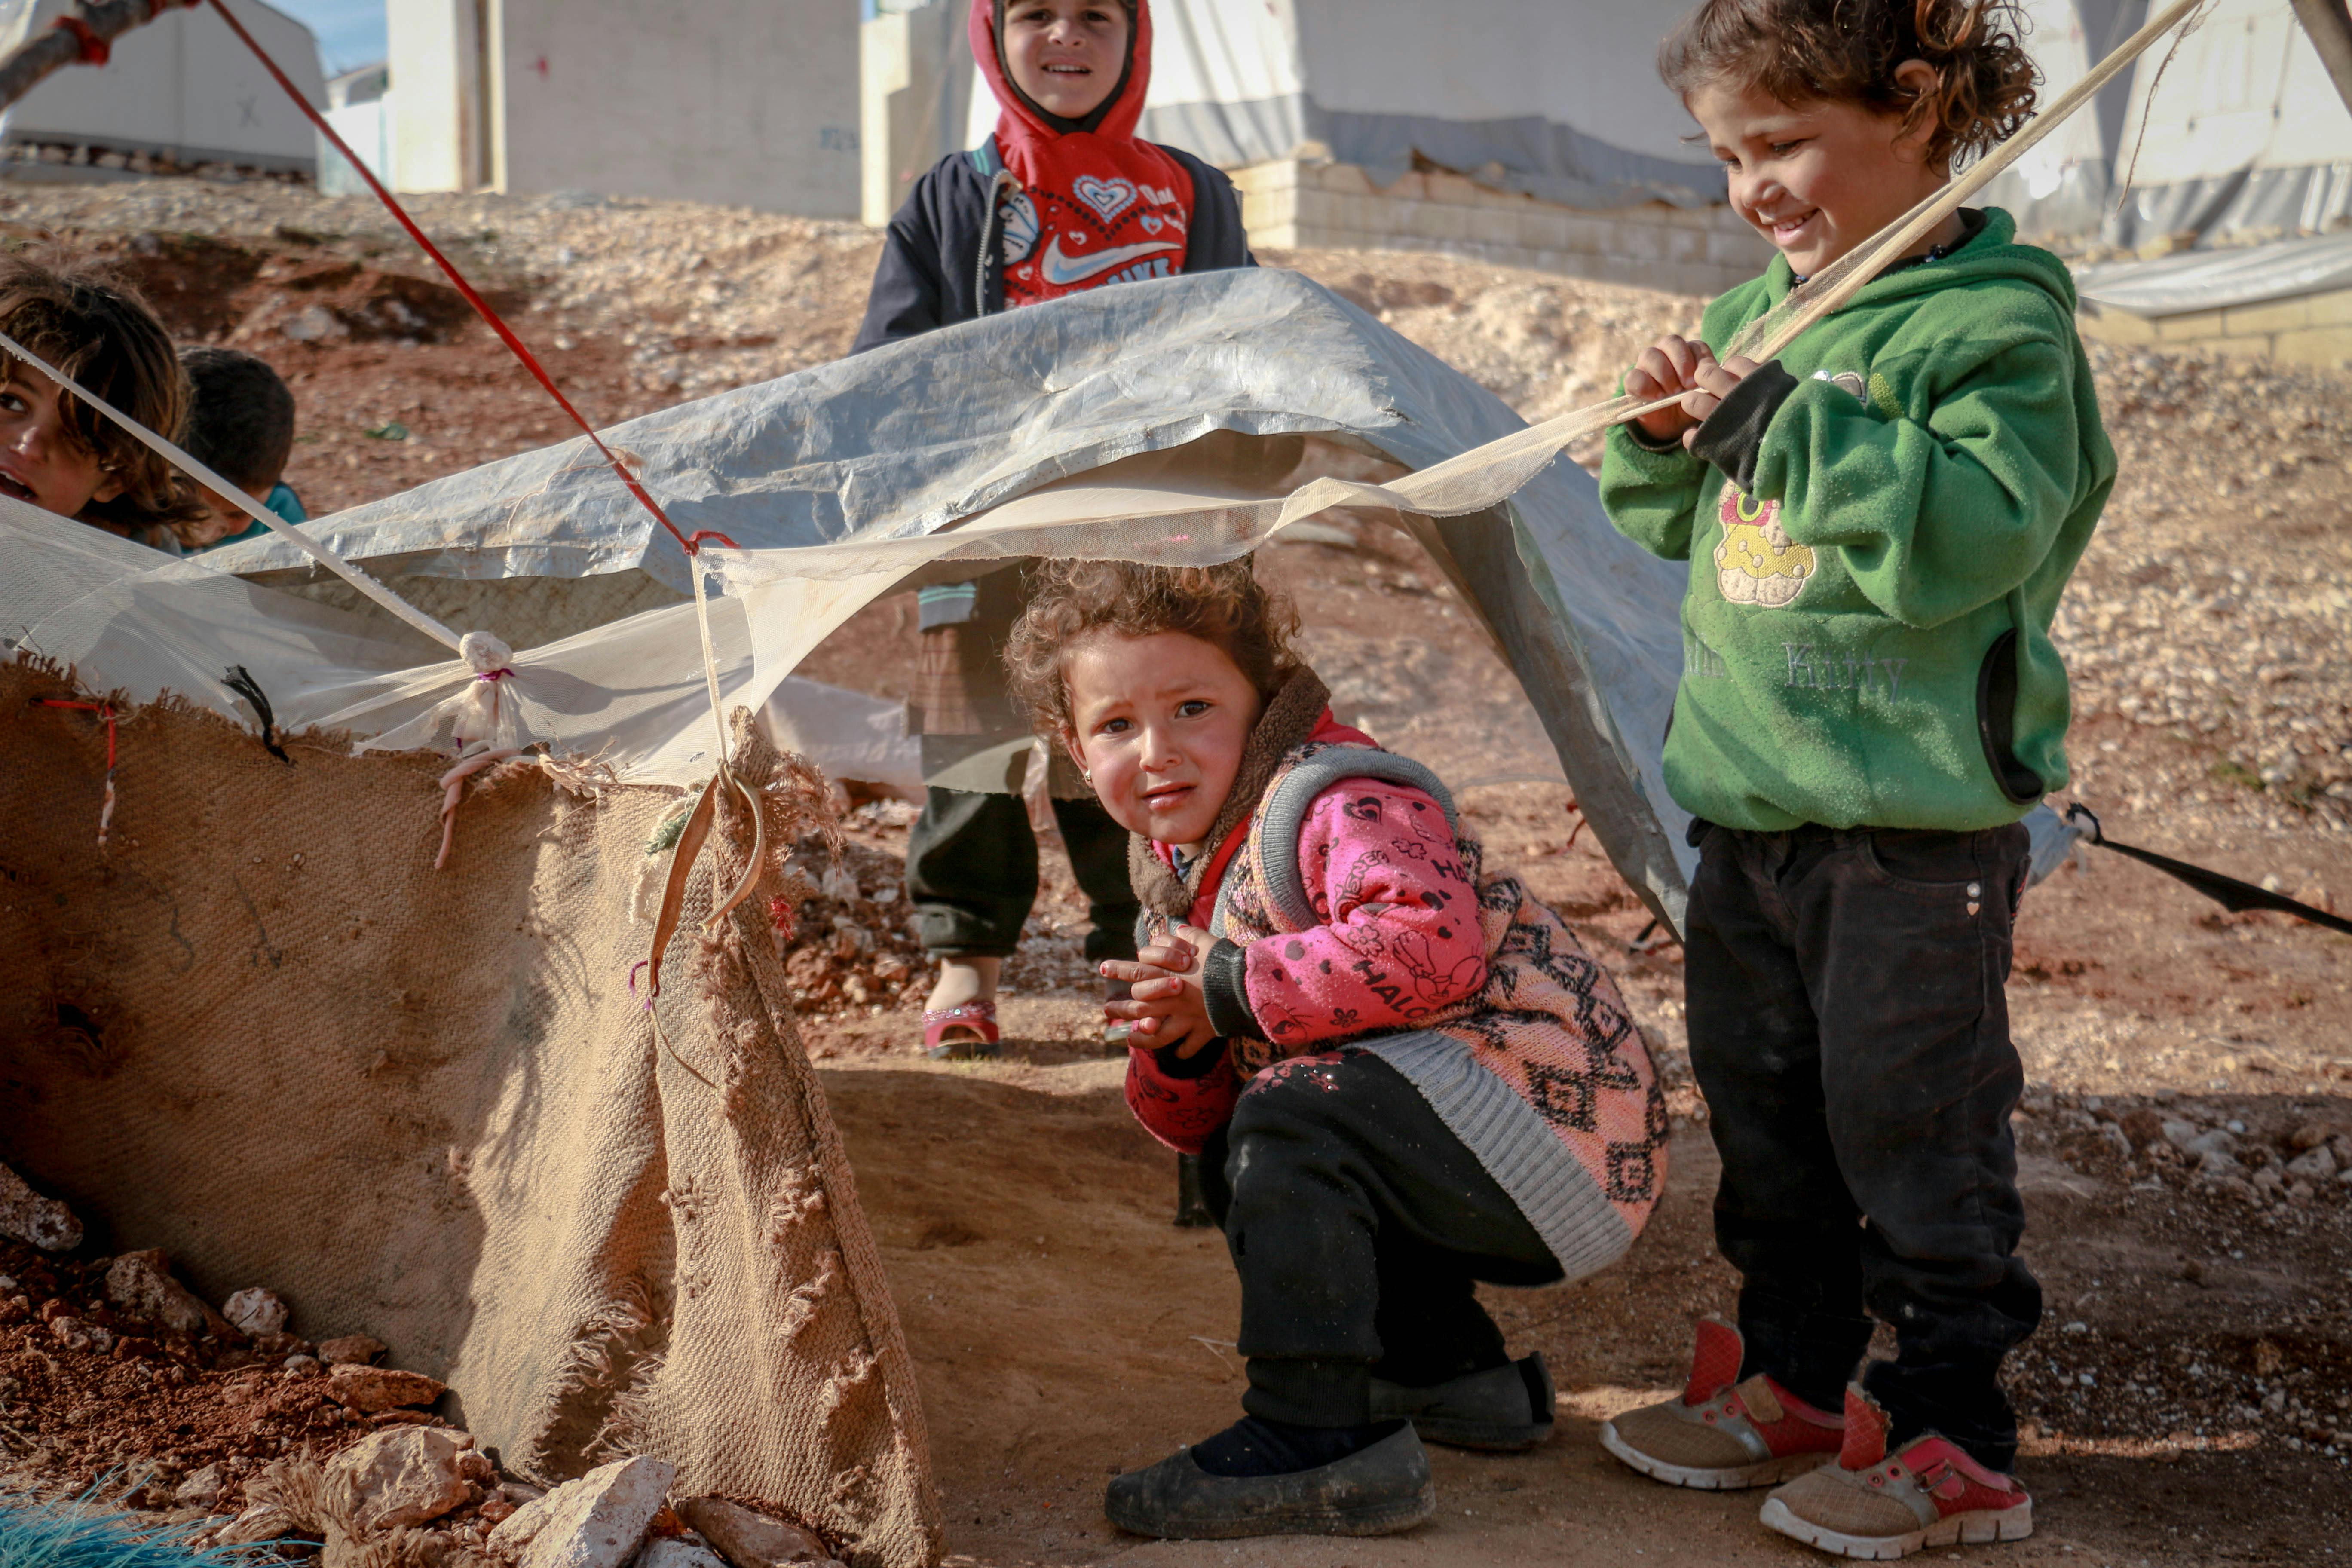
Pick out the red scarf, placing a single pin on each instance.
(1327, 731)
(1094, 206)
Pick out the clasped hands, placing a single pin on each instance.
(1166, 1006)
(1673, 365)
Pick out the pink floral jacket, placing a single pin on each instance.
(1403, 929)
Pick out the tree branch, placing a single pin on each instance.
(53, 47)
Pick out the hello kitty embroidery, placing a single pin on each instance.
(1756, 562)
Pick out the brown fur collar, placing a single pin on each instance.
(1284, 726)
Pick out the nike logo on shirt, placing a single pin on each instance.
(1061, 272)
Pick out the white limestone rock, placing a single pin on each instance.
(30, 1217)
(403, 1476)
(256, 1311)
(678, 1552)
(141, 1285)
(597, 1521)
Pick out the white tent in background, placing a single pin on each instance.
(360, 106)
(181, 89)
(2238, 137)
(1561, 102)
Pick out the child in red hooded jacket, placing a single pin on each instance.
(1062, 198)
(1065, 197)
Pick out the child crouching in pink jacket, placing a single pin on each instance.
(1403, 1073)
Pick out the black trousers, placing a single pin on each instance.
(1359, 1226)
(1849, 1027)
(972, 871)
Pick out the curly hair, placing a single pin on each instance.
(1225, 605)
(97, 330)
(1846, 51)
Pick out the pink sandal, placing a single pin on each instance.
(973, 1026)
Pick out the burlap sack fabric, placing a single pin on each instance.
(260, 1032)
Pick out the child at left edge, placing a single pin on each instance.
(61, 455)
(1402, 1074)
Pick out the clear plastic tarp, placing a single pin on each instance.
(1166, 422)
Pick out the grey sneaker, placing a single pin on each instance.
(1377, 1490)
(1503, 1409)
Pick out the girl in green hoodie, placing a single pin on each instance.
(1879, 524)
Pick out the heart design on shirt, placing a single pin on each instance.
(1150, 225)
(1109, 198)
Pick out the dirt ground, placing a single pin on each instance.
(2189, 1395)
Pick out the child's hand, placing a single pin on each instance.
(1713, 383)
(1166, 1003)
(1668, 366)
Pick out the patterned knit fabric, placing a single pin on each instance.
(1547, 1021)
(1488, 1001)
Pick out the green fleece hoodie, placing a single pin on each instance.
(1879, 527)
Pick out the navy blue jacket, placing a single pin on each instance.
(932, 273)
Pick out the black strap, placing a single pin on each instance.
(2227, 891)
(240, 680)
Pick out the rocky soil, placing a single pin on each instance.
(2191, 1087)
(119, 1384)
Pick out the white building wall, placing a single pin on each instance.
(915, 62)
(368, 130)
(431, 49)
(742, 102)
(182, 86)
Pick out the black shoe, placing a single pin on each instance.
(1376, 1490)
(1503, 1408)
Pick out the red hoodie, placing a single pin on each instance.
(1094, 206)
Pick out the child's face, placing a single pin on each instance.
(41, 460)
(224, 517)
(1066, 54)
(1160, 725)
(1816, 179)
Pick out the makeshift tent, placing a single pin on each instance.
(181, 88)
(2238, 135)
(262, 1032)
(1560, 101)
(841, 482)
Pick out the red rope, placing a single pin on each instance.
(481, 306)
(104, 711)
(95, 50)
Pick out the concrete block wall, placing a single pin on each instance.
(1291, 204)
(2313, 330)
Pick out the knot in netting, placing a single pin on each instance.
(486, 655)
